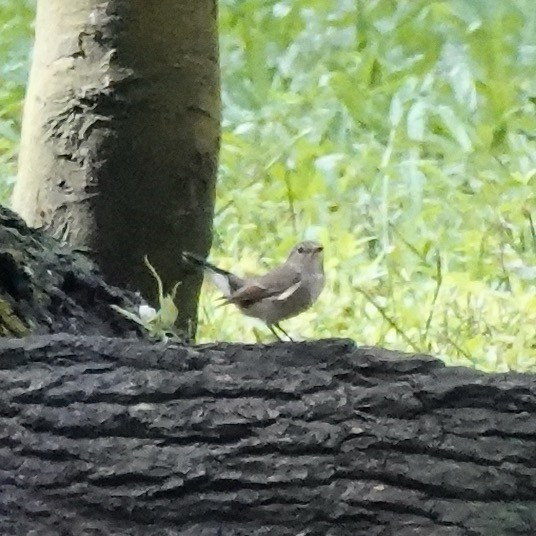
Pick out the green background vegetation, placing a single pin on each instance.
(401, 134)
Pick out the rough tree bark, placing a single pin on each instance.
(103, 437)
(46, 287)
(121, 133)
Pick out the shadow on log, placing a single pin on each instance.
(103, 436)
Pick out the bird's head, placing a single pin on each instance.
(307, 253)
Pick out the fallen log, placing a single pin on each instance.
(104, 436)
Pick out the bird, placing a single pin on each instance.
(282, 293)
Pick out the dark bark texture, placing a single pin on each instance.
(102, 436)
(46, 287)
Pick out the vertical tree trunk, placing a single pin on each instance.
(121, 134)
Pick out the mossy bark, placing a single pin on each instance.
(121, 135)
(46, 287)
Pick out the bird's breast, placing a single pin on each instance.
(316, 285)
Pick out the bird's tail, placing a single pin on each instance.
(226, 282)
(196, 260)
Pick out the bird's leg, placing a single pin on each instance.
(284, 332)
(271, 328)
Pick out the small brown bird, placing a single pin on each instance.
(282, 293)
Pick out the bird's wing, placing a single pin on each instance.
(288, 292)
(279, 284)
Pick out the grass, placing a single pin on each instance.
(401, 136)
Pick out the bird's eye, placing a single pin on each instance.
(300, 249)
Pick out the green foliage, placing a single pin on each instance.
(16, 17)
(399, 134)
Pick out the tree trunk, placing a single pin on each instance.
(120, 135)
(101, 437)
